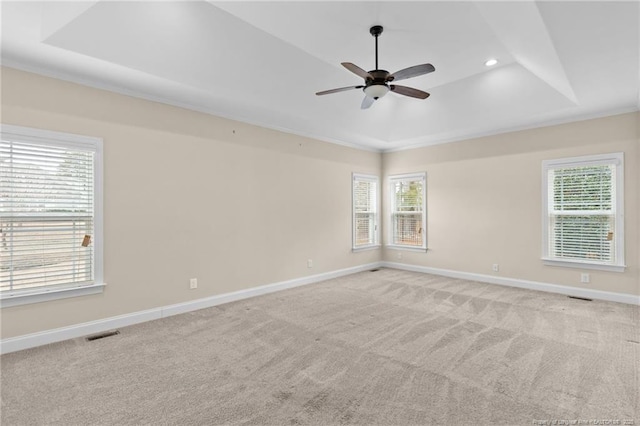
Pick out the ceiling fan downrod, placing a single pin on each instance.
(375, 31)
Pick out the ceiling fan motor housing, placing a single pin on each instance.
(377, 87)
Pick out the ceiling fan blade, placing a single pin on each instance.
(367, 102)
(341, 89)
(409, 91)
(411, 72)
(357, 70)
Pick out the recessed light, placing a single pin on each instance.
(491, 62)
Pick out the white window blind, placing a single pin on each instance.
(365, 210)
(583, 210)
(47, 211)
(408, 210)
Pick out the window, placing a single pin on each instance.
(408, 211)
(50, 215)
(583, 212)
(365, 211)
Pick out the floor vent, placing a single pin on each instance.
(580, 298)
(374, 270)
(102, 335)
(633, 341)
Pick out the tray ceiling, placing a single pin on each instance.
(262, 62)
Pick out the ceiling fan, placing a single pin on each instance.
(376, 82)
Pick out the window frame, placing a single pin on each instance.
(60, 139)
(616, 159)
(392, 210)
(376, 212)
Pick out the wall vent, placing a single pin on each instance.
(102, 335)
(580, 298)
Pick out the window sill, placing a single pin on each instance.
(365, 248)
(583, 265)
(26, 297)
(406, 248)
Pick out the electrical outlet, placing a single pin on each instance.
(193, 283)
(584, 278)
(399, 255)
(309, 263)
(495, 267)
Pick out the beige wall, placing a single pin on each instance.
(186, 197)
(484, 200)
(237, 206)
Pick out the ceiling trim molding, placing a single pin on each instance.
(159, 99)
(535, 125)
(438, 141)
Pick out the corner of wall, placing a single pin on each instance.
(638, 195)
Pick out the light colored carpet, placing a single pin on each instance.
(388, 347)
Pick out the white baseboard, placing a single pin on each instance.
(514, 282)
(27, 341)
(18, 343)
(220, 299)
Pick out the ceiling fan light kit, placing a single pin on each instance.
(376, 91)
(376, 82)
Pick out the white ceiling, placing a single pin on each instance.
(262, 62)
